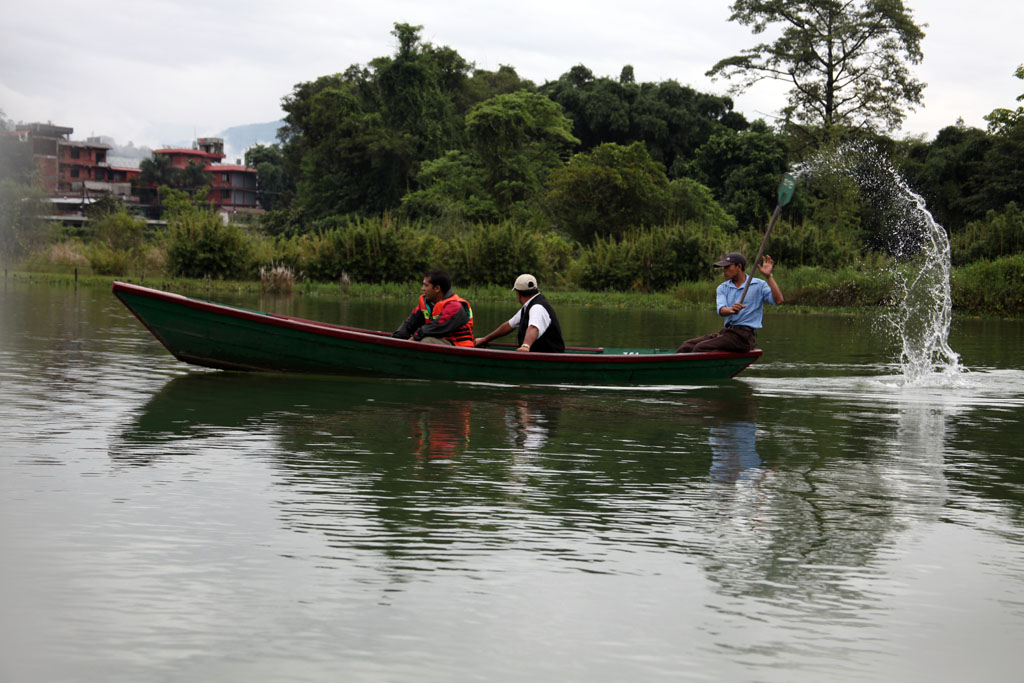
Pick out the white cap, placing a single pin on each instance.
(525, 282)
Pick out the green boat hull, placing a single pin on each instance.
(230, 338)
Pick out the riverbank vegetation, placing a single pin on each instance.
(599, 186)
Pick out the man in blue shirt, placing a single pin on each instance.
(741, 320)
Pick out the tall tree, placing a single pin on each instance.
(671, 119)
(354, 141)
(948, 173)
(519, 138)
(158, 171)
(194, 176)
(274, 182)
(514, 142)
(16, 161)
(742, 170)
(845, 61)
(607, 191)
(1003, 120)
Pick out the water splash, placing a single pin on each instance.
(921, 315)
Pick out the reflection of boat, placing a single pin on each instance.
(226, 337)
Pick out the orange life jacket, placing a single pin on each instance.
(460, 337)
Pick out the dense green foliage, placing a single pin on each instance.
(419, 160)
(200, 244)
(743, 170)
(513, 142)
(16, 162)
(605, 192)
(275, 185)
(355, 141)
(1001, 120)
(366, 250)
(650, 260)
(995, 287)
(22, 206)
(117, 241)
(999, 234)
(672, 120)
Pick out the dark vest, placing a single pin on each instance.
(551, 340)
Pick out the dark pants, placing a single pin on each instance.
(739, 339)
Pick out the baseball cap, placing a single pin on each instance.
(735, 258)
(525, 282)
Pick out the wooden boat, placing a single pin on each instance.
(231, 338)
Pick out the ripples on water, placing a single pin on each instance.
(806, 522)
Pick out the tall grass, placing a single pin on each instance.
(652, 267)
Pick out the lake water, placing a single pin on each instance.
(814, 519)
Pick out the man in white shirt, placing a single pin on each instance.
(536, 321)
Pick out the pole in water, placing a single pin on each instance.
(786, 188)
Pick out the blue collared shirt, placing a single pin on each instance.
(760, 292)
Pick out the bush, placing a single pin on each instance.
(995, 287)
(805, 244)
(849, 286)
(118, 231)
(650, 259)
(555, 255)
(367, 250)
(201, 245)
(22, 229)
(694, 203)
(601, 193)
(277, 279)
(495, 254)
(64, 256)
(999, 234)
(107, 261)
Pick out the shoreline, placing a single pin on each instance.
(681, 298)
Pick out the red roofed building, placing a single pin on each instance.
(208, 151)
(233, 186)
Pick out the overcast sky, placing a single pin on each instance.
(163, 71)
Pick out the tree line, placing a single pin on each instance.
(422, 135)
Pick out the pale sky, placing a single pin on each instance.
(162, 71)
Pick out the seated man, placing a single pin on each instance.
(741, 320)
(536, 320)
(441, 316)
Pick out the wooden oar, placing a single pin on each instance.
(786, 188)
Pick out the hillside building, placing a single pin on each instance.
(233, 187)
(73, 172)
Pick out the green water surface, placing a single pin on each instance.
(815, 519)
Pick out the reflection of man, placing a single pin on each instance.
(527, 430)
(441, 316)
(734, 451)
(536, 320)
(442, 433)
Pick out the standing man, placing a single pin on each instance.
(441, 316)
(536, 320)
(741, 320)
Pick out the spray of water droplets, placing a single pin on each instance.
(920, 317)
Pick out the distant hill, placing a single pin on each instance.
(237, 139)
